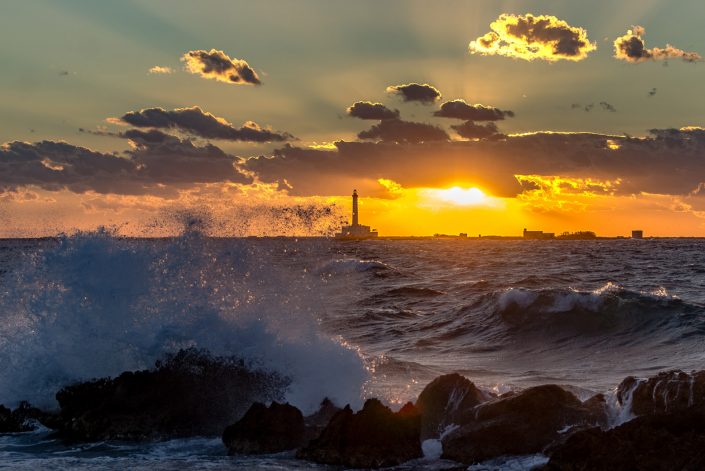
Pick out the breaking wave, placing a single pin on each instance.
(94, 304)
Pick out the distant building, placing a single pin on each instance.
(355, 230)
(538, 235)
(637, 234)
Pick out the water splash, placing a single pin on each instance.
(94, 304)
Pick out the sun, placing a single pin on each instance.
(459, 196)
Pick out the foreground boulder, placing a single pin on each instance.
(675, 440)
(519, 423)
(372, 438)
(667, 391)
(443, 401)
(190, 393)
(263, 429)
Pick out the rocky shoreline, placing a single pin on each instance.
(651, 423)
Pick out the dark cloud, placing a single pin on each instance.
(531, 37)
(217, 65)
(397, 130)
(158, 164)
(422, 93)
(458, 109)
(471, 130)
(632, 48)
(64, 73)
(369, 110)
(668, 161)
(199, 123)
(652, 92)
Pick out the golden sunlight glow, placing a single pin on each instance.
(458, 196)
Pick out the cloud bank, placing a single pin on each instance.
(158, 164)
(531, 37)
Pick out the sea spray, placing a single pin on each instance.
(94, 304)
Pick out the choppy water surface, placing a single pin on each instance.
(345, 319)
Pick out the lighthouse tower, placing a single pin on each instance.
(356, 230)
(355, 221)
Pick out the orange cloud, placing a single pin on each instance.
(217, 65)
(531, 37)
(632, 48)
(158, 69)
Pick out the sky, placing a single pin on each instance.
(476, 116)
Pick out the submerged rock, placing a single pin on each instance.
(518, 424)
(675, 440)
(190, 393)
(372, 438)
(443, 401)
(667, 391)
(263, 429)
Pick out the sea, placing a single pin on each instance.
(347, 320)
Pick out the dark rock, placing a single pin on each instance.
(667, 391)
(190, 393)
(675, 440)
(372, 438)
(263, 429)
(24, 418)
(317, 422)
(442, 402)
(517, 424)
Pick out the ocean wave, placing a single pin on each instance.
(351, 265)
(611, 307)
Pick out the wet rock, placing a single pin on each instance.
(443, 401)
(517, 424)
(674, 440)
(317, 422)
(190, 393)
(667, 391)
(263, 429)
(24, 418)
(372, 438)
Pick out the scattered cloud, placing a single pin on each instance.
(532, 37)
(589, 107)
(607, 107)
(397, 130)
(217, 65)
(632, 48)
(458, 109)
(422, 93)
(369, 110)
(200, 123)
(160, 70)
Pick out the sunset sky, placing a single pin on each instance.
(477, 116)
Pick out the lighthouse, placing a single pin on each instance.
(355, 220)
(356, 231)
